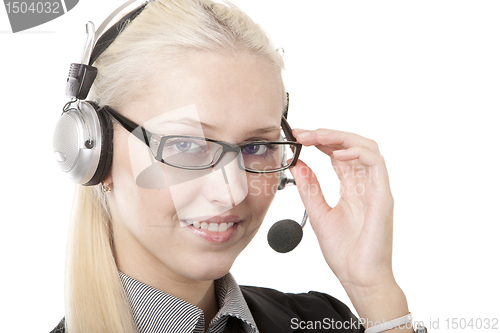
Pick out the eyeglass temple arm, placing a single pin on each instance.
(144, 135)
(285, 111)
(286, 127)
(289, 136)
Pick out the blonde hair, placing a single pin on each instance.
(95, 299)
(163, 32)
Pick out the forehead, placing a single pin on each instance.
(227, 90)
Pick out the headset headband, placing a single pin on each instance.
(110, 35)
(81, 76)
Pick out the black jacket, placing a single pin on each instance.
(277, 312)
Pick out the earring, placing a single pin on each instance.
(105, 188)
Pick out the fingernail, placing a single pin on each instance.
(339, 152)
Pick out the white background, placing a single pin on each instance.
(422, 78)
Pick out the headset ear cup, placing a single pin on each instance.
(106, 156)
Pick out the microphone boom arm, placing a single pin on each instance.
(304, 219)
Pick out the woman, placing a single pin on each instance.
(152, 245)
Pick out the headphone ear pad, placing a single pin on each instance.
(106, 156)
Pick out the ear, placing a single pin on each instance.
(108, 179)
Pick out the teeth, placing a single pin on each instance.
(214, 227)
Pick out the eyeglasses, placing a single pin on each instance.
(197, 153)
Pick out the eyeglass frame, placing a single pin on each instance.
(148, 136)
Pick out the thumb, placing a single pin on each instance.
(310, 191)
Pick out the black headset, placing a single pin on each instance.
(83, 137)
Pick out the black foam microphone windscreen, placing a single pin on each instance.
(284, 236)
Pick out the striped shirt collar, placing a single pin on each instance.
(156, 311)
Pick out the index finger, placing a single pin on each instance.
(328, 140)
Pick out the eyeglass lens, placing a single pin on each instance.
(192, 152)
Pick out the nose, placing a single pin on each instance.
(227, 186)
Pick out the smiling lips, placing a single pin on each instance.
(213, 224)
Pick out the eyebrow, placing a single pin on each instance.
(196, 123)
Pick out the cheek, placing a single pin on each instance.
(261, 191)
(134, 204)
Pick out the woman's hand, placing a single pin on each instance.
(355, 236)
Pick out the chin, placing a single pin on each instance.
(212, 267)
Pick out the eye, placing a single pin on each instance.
(185, 146)
(256, 149)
